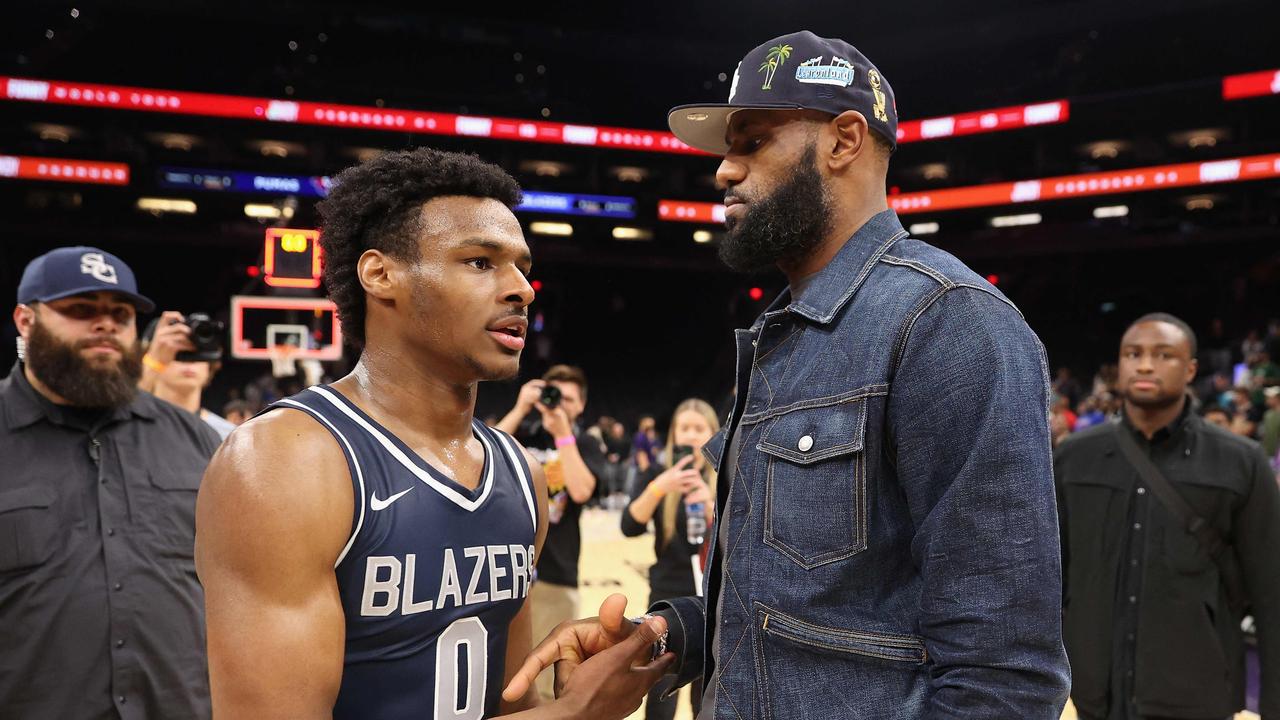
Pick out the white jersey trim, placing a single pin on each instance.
(355, 462)
(453, 495)
(526, 485)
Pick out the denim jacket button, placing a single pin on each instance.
(805, 444)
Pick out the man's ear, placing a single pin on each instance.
(24, 316)
(377, 274)
(849, 139)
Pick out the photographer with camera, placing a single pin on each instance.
(193, 346)
(573, 462)
(101, 614)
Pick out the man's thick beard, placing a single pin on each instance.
(62, 368)
(786, 225)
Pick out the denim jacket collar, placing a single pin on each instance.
(834, 285)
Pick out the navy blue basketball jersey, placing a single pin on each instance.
(433, 573)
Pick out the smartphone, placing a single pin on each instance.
(680, 452)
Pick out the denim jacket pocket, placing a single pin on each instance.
(778, 625)
(804, 671)
(816, 487)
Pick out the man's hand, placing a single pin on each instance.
(555, 420)
(529, 394)
(570, 644)
(612, 683)
(172, 336)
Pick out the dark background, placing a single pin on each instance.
(651, 321)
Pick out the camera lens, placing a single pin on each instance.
(551, 396)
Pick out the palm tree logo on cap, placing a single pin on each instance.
(777, 55)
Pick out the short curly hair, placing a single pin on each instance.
(375, 205)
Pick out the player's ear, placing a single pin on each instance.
(376, 274)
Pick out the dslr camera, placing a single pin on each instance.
(206, 335)
(550, 396)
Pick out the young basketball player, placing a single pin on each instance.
(367, 547)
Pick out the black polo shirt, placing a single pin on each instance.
(101, 614)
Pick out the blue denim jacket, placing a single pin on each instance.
(893, 540)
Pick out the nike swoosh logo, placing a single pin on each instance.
(375, 504)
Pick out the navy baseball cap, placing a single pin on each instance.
(74, 270)
(800, 71)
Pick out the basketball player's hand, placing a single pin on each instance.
(570, 644)
(171, 337)
(612, 683)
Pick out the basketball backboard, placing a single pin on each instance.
(260, 323)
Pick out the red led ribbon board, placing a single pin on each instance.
(984, 121)
(375, 118)
(1160, 177)
(332, 114)
(63, 170)
(291, 258)
(683, 211)
(1255, 84)
(1255, 167)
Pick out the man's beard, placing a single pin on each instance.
(65, 371)
(787, 224)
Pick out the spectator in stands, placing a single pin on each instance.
(1243, 426)
(1105, 379)
(1216, 415)
(644, 446)
(1264, 372)
(1252, 345)
(1215, 389)
(1215, 351)
(1242, 405)
(236, 412)
(1067, 386)
(1091, 411)
(1058, 428)
(1272, 341)
(1062, 406)
(616, 440)
(661, 497)
(1269, 433)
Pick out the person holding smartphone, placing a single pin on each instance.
(678, 499)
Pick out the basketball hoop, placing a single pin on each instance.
(283, 361)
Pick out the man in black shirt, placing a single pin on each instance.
(573, 462)
(101, 615)
(1152, 622)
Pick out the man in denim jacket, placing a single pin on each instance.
(887, 539)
